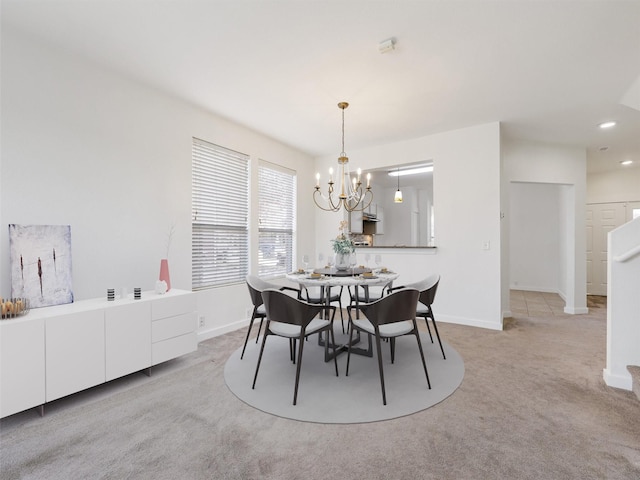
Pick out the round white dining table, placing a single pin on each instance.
(341, 278)
(326, 278)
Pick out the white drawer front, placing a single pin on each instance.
(173, 347)
(172, 305)
(173, 327)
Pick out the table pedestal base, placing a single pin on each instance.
(342, 348)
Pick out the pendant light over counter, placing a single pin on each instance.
(398, 197)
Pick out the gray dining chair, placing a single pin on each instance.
(256, 286)
(367, 294)
(427, 289)
(295, 319)
(319, 295)
(388, 318)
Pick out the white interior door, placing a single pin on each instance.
(633, 210)
(601, 219)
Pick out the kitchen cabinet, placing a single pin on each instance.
(355, 222)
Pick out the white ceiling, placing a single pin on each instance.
(548, 70)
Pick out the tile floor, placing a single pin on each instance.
(535, 304)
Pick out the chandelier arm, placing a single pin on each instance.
(363, 202)
(370, 193)
(335, 206)
(320, 206)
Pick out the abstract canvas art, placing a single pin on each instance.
(40, 262)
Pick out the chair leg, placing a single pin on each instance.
(392, 345)
(292, 349)
(435, 327)
(333, 347)
(247, 337)
(259, 329)
(384, 395)
(350, 329)
(295, 390)
(264, 341)
(424, 364)
(426, 322)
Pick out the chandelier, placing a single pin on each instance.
(351, 195)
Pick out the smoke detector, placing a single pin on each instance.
(387, 45)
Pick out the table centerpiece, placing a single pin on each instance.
(343, 247)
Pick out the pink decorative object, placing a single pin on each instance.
(164, 272)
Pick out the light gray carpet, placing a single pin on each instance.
(532, 406)
(325, 398)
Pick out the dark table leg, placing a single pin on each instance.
(342, 348)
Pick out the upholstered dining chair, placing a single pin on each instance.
(367, 294)
(318, 295)
(427, 289)
(390, 317)
(256, 285)
(295, 319)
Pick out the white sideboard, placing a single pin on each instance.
(22, 374)
(56, 351)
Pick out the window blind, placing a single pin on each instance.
(219, 227)
(277, 219)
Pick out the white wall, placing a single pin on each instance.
(621, 185)
(535, 226)
(112, 158)
(397, 217)
(533, 162)
(467, 206)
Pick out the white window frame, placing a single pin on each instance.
(277, 191)
(220, 216)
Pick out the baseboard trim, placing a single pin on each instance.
(622, 381)
(470, 322)
(576, 310)
(217, 331)
(527, 288)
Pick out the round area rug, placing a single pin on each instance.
(325, 398)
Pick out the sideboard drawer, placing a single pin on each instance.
(173, 347)
(166, 328)
(172, 305)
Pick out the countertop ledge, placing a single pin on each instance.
(392, 246)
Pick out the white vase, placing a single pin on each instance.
(342, 261)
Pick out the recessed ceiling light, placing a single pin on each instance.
(626, 162)
(607, 124)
